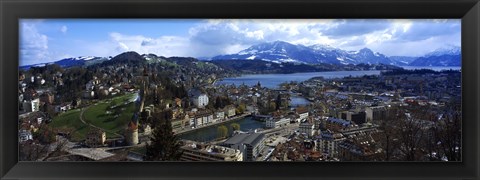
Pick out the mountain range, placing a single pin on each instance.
(280, 51)
(70, 62)
(284, 52)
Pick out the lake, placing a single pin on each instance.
(272, 81)
(210, 133)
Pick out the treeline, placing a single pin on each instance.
(417, 72)
(169, 89)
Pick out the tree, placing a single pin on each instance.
(221, 102)
(222, 131)
(447, 135)
(241, 108)
(164, 145)
(405, 133)
(44, 147)
(235, 126)
(272, 107)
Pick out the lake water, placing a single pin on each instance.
(274, 80)
(210, 133)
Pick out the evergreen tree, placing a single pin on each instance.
(164, 144)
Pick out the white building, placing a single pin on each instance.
(251, 145)
(201, 152)
(32, 106)
(328, 143)
(200, 100)
(201, 118)
(230, 110)
(302, 113)
(276, 122)
(307, 128)
(220, 116)
(63, 107)
(24, 135)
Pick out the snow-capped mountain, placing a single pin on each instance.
(403, 60)
(452, 50)
(451, 56)
(70, 62)
(280, 51)
(367, 56)
(277, 51)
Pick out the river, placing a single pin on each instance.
(210, 133)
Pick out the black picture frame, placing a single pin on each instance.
(12, 10)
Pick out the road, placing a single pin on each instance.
(283, 130)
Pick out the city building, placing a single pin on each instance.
(307, 128)
(328, 143)
(201, 152)
(95, 138)
(24, 135)
(220, 116)
(276, 122)
(375, 113)
(336, 124)
(359, 151)
(251, 145)
(63, 107)
(47, 98)
(229, 110)
(31, 106)
(357, 117)
(199, 99)
(302, 112)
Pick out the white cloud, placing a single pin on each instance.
(33, 45)
(214, 37)
(406, 37)
(64, 29)
(225, 36)
(163, 46)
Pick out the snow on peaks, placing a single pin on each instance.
(451, 50)
(322, 47)
(85, 58)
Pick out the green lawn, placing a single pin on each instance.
(113, 122)
(96, 114)
(70, 122)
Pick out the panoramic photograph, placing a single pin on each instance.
(313, 90)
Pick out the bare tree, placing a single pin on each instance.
(447, 134)
(44, 147)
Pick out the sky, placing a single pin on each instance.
(48, 40)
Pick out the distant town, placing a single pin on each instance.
(134, 107)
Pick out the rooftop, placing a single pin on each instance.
(212, 150)
(251, 139)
